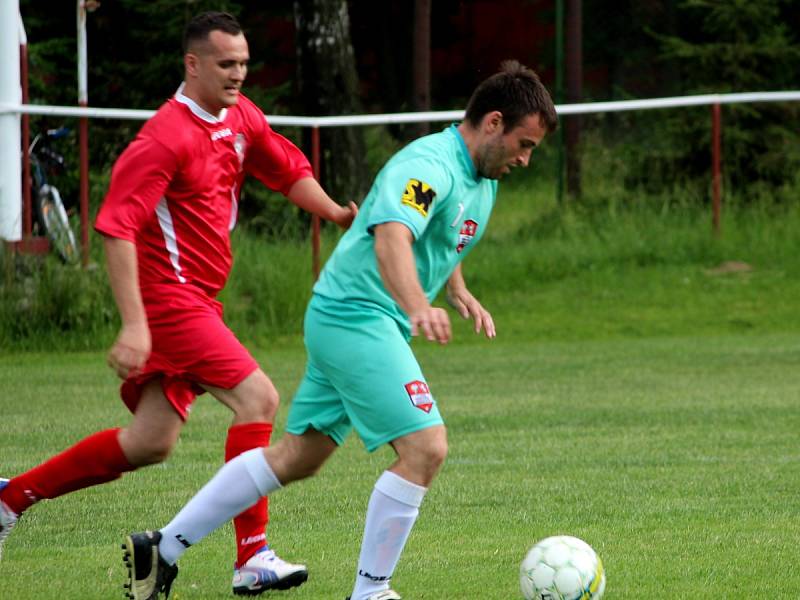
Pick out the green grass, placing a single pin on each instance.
(674, 456)
(637, 396)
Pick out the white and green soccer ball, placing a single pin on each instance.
(562, 567)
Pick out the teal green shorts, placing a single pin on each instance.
(360, 373)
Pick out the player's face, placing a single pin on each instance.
(503, 151)
(217, 70)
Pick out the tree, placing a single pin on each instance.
(328, 85)
(574, 34)
(727, 46)
(422, 62)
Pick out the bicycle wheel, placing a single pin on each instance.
(53, 218)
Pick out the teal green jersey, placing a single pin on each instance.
(433, 188)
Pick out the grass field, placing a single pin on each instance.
(675, 457)
(641, 395)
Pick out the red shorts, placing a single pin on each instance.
(191, 346)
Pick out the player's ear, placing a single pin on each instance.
(492, 121)
(190, 63)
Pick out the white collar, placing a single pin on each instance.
(197, 109)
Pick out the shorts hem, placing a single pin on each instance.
(390, 437)
(339, 441)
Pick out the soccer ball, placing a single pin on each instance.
(562, 567)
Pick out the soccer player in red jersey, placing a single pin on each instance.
(166, 220)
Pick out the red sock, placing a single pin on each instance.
(95, 459)
(250, 525)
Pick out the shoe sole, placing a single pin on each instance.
(293, 580)
(127, 558)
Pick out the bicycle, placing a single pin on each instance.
(51, 215)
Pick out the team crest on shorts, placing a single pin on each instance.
(419, 196)
(420, 395)
(468, 231)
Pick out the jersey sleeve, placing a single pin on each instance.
(139, 179)
(409, 193)
(275, 161)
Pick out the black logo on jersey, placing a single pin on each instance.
(419, 196)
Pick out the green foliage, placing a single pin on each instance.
(584, 265)
(44, 304)
(723, 47)
(269, 287)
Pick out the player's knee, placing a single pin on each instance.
(141, 452)
(425, 460)
(157, 453)
(435, 454)
(262, 403)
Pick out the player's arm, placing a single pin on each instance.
(398, 268)
(281, 166)
(460, 298)
(132, 346)
(138, 182)
(308, 194)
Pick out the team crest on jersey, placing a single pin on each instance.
(419, 196)
(420, 395)
(240, 145)
(468, 231)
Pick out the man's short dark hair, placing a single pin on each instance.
(516, 92)
(198, 29)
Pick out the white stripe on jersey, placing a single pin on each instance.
(168, 229)
(234, 210)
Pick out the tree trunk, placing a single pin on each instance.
(574, 77)
(328, 85)
(421, 44)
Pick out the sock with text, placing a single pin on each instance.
(391, 513)
(236, 486)
(250, 525)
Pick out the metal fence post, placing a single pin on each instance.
(716, 166)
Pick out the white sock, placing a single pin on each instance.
(393, 508)
(236, 486)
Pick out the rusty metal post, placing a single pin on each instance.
(716, 167)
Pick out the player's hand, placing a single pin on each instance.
(468, 307)
(346, 215)
(433, 323)
(130, 350)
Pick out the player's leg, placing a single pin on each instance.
(393, 509)
(316, 423)
(366, 358)
(236, 486)
(254, 402)
(99, 458)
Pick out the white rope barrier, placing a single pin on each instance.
(421, 117)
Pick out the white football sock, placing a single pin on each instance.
(393, 508)
(236, 486)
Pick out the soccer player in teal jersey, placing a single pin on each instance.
(427, 209)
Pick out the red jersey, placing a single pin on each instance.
(175, 189)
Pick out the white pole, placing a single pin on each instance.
(11, 92)
(83, 93)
